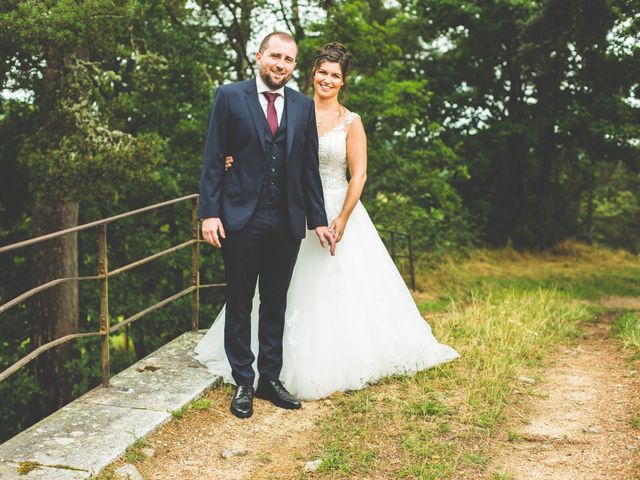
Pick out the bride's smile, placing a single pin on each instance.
(327, 80)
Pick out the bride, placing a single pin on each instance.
(350, 319)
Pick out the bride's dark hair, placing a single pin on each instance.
(337, 53)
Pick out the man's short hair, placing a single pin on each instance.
(282, 35)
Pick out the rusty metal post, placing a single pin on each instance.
(103, 268)
(411, 268)
(195, 266)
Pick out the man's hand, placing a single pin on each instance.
(211, 227)
(325, 236)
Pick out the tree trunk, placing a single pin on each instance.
(588, 222)
(55, 311)
(510, 195)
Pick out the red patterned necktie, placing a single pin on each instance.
(272, 116)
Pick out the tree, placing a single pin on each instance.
(411, 169)
(52, 50)
(521, 85)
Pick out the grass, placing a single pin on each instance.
(476, 459)
(195, 405)
(513, 436)
(572, 270)
(264, 458)
(27, 466)
(202, 404)
(627, 329)
(502, 476)
(503, 311)
(427, 424)
(179, 413)
(133, 454)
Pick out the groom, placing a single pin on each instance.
(256, 211)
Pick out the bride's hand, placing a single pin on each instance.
(337, 227)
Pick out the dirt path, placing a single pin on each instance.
(273, 444)
(580, 426)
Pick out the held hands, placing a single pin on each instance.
(325, 236)
(337, 227)
(330, 235)
(211, 228)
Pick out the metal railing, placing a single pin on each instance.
(106, 329)
(393, 243)
(104, 274)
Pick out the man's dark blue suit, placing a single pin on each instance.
(262, 201)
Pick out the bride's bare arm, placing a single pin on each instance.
(357, 158)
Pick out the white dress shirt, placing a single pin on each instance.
(279, 103)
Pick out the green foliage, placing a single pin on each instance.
(614, 214)
(116, 126)
(23, 399)
(411, 170)
(536, 93)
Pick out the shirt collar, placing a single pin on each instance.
(262, 87)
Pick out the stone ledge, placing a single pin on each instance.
(91, 432)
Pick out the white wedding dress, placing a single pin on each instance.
(350, 318)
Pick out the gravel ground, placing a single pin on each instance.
(272, 444)
(579, 424)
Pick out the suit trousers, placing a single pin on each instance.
(263, 251)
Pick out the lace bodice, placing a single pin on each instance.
(332, 153)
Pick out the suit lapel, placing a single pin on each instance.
(257, 115)
(291, 107)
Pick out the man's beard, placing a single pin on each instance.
(268, 81)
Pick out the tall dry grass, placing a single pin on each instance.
(503, 311)
(433, 424)
(627, 329)
(577, 270)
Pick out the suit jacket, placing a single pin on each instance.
(237, 127)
